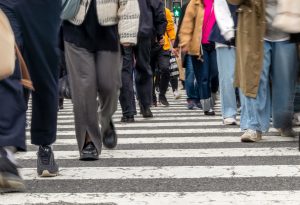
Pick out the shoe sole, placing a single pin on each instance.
(89, 158)
(9, 185)
(46, 173)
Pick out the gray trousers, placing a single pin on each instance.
(93, 75)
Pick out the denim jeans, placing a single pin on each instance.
(191, 86)
(205, 71)
(280, 66)
(226, 66)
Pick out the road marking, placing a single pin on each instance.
(158, 198)
(176, 153)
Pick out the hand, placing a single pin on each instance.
(175, 52)
(162, 41)
(184, 49)
(127, 44)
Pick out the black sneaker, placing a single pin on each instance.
(10, 180)
(46, 166)
(163, 100)
(89, 152)
(127, 119)
(146, 112)
(210, 112)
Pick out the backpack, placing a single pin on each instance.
(70, 9)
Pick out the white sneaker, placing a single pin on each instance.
(251, 136)
(229, 121)
(176, 95)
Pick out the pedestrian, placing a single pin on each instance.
(152, 25)
(35, 25)
(264, 53)
(190, 84)
(93, 58)
(194, 39)
(223, 35)
(160, 58)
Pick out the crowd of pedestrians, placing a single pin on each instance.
(121, 50)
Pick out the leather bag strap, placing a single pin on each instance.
(25, 76)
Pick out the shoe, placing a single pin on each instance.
(229, 121)
(163, 100)
(127, 119)
(146, 112)
(89, 152)
(211, 112)
(110, 138)
(10, 180)
(190, 104)
(176, 95)
(287, 132)
(46, 166)
(251, 136)
(154, 103)
(199, 105)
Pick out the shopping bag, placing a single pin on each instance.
(174, 69)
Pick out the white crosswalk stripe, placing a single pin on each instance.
(180, 157)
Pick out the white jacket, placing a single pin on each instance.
(224, 19)
(288, 16)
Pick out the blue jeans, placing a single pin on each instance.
(280, 66)
(191, 86)
(206, 71)
(226, 66)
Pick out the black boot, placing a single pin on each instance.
(110, 138)
(146, 112)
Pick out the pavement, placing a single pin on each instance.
(180, 157)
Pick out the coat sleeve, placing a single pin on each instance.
(187, 26)
(129, 15)
(159, 18)
(170, 30)
(236, 2)
(224, 19)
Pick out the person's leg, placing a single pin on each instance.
(12, 118)
(226, 67)
(214, 76)
(144, 77)
(284, 72)
(82, 74)
(201, 70)
(255, 116)
(127, 98)
(109, 66)
(163, 65)
(40, 21)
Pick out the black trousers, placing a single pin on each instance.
(142, 73)
(160, 59)
(40, 22)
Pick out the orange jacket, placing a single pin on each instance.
(170, 33)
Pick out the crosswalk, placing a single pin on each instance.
(178, 157)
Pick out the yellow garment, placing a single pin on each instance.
(170, 30)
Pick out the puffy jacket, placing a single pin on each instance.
(170, 34)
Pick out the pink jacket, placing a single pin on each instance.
(209, 20)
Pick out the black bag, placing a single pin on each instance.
(174, 69)
(64, 87)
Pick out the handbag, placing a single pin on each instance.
(7, 47)
(70, 9)
(288, 16)
(8, 52)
